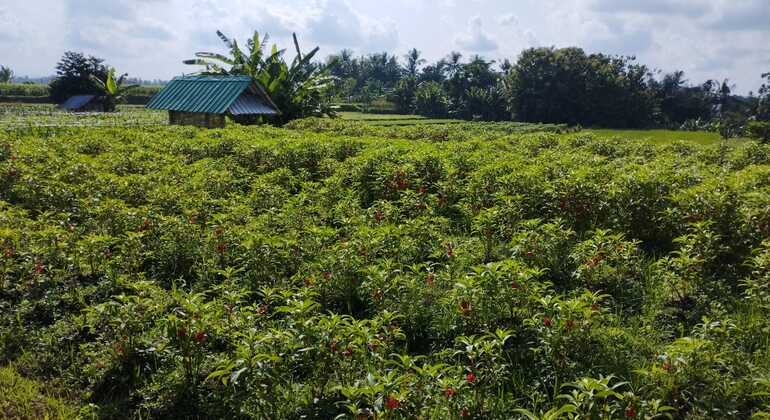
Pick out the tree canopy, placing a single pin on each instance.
(74, 76)
(6, 74)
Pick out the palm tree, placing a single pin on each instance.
(453, 63)
(112, 90)
(413, 62)
(297, 89)
(725, 90)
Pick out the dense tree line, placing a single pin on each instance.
(544, 85)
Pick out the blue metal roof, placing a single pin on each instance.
(211, 94)
(76, 102)
(248, 104)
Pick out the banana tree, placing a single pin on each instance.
(112, 90)
(298, 89)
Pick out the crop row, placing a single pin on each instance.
(288, 273)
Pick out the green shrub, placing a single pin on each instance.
(759, 130)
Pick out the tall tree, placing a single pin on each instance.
(343, 65)
(381, 67)
(680, 102)
(470, 85)
(74, 74)
(763, 102)
(436, 72)
(413, 62)
(454, 63)
(431, 100)
(568, 86)
(6, 74)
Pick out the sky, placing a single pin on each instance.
(708, 39)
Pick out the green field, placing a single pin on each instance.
(666, 136)
(393, 119)
(20, 90)
(24, 116)
(338, 268)
(651, 136)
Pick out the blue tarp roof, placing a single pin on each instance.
(76, 102)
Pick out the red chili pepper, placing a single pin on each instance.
(430, 279)
(392, 403)
(466, 307)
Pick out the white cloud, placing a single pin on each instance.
(751, 15)
(508, 19)
(690, 8)
(336, 23)
(476, 39)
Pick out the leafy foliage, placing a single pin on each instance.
(336, 269)
(112, 91)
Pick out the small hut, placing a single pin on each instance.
(204, 101)
(83, 103)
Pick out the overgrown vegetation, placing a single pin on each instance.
(475, 271)
(23, 399)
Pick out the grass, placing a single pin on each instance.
(13, 116)
(22, 398)
(653, 136)
(394, 119)
(362, 116)
(665, 136)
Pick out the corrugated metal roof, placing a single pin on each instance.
(76, 102)
(212, 94)
(248, 104)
